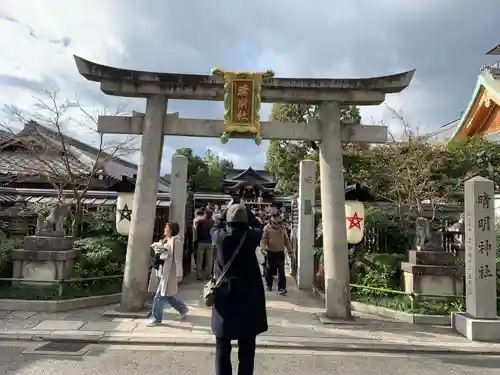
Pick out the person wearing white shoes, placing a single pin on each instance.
(168, 264)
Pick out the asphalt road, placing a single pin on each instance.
(135, 360)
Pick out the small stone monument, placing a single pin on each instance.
(49, 254)
(479, 322)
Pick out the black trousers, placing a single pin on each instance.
(276, 265)
(246, 356)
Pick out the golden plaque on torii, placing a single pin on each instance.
(242, 99)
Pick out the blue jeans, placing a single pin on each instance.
(159, 305)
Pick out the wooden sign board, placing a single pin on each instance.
(242, 100)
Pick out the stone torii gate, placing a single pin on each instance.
(157, 88)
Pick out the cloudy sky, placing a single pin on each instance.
(445, 41)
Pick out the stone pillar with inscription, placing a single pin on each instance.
(480, 321)
(306, 230)
(178, 191)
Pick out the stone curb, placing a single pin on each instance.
(60, 305)
(435, 320)
(265, 342)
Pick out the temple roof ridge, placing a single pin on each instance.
(247, 171)
(242, 174)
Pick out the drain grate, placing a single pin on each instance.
(62, 347)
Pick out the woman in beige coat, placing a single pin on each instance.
(168, 275)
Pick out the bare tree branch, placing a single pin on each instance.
(57, 158)
(409, 169)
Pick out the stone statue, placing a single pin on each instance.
(423, 232)
(52, 225)
(461, 224)
(458, 231)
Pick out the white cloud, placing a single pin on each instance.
(442, 40)
(255, 159)
(38, 54)
(409, 104)
(37, 38)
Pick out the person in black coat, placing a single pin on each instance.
(239, 312)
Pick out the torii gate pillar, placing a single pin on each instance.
(335, 255)
(135, 278)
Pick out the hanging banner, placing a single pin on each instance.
(124, 212)
(355, 217)
(242, 100)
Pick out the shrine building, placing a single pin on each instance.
(482, 116)
(255, 187)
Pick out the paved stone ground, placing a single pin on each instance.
(293, 322)
(139, 360)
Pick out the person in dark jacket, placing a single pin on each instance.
(239, 312)
(204, 250)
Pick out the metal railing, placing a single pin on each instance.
(54, 290)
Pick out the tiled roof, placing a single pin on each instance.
(82, 160)
(495, 72)
(265, 175)
(23, 163)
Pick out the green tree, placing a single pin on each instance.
(474, 156)
(424, 171)
(410, 170)
(205, 173)
(284, 157)
(195, 163)
(413, 170)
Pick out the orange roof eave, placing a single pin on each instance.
(485, 94)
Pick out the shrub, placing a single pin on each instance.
(100, 256)
(379, 271)
(374, 270)
(6, 246)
